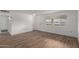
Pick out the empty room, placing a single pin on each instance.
(39, 29)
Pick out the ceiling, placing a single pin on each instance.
(33, 11)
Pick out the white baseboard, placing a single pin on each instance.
(19, 32)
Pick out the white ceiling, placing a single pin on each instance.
(33, 11)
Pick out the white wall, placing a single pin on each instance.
(24, 22)
(4, 22)
(78, 25)
(70, 29)
(21, 23)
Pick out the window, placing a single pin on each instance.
(57, 20)
(49, 21)
(60, 22)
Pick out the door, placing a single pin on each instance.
(4, 23)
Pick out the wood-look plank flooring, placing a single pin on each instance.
(37, 39)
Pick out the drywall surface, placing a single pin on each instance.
(4, 22)
(78, 26)
(70, 29)
(21, 23)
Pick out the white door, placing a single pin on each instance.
(4, 22)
